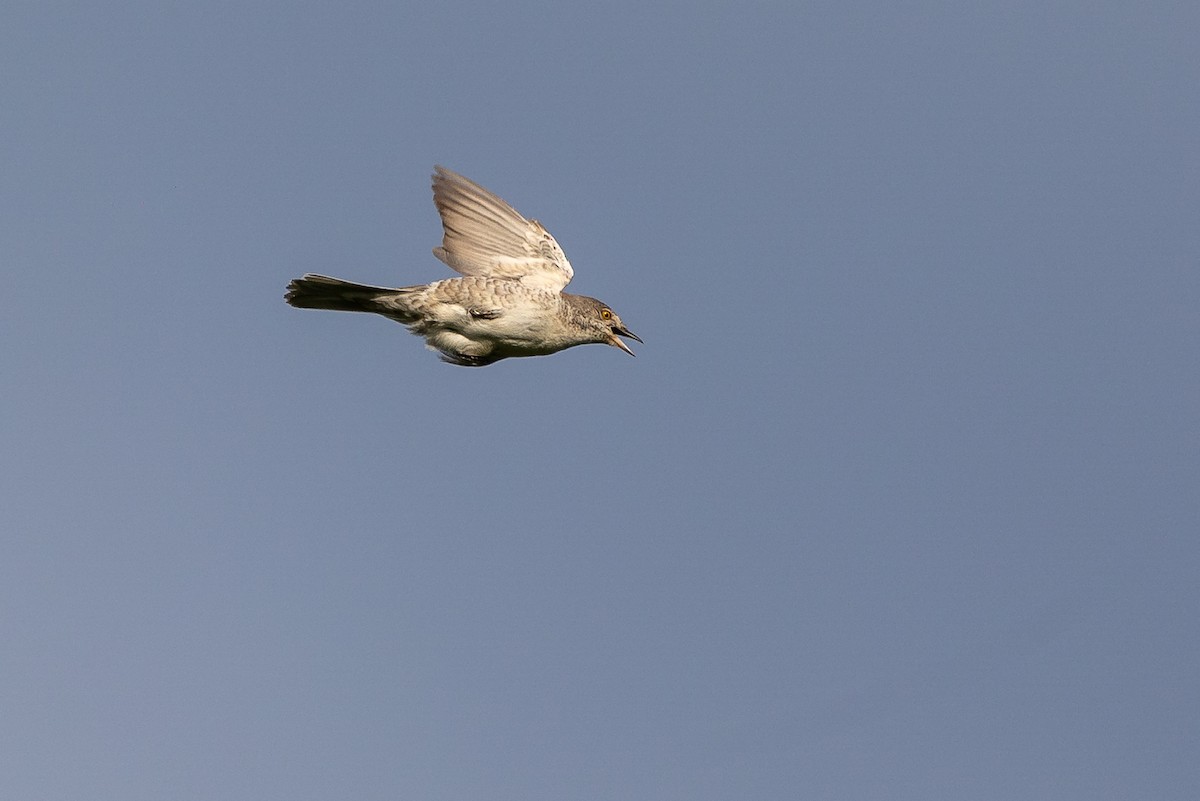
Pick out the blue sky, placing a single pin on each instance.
(898, 501)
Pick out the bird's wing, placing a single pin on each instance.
(486, 236)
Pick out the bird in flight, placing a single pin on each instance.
(509, 300)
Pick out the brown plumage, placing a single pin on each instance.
(509, 301)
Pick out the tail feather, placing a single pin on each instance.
(322, 292)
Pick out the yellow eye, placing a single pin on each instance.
(605, 314)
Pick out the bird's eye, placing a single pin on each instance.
(605, 314)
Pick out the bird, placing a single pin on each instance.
(508, 300)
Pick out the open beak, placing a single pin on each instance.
(625, 332)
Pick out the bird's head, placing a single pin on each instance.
(602, 323)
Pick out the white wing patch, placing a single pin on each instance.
(486, 236)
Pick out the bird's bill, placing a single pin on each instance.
(616, 341)
(625, 332)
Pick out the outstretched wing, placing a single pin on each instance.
(486, 236)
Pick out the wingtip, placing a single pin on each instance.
(441, 173)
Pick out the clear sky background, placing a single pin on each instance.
(899, 500)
